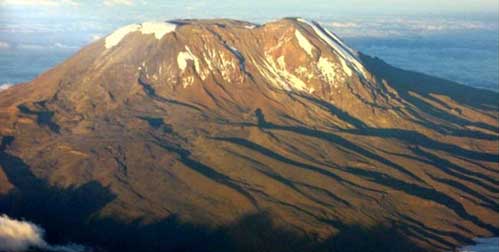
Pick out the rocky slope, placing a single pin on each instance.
(277, 137)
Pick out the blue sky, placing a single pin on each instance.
(41, 33)
(96, 18)
(246, 9)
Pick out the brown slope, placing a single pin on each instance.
(252, 123)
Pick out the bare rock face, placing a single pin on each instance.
(160, 129)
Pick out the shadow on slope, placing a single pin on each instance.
(407, 82)
(412, 138)
(70, 215)
(422, 84)
(61, 211)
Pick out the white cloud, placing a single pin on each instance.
(56, 45)
(394, 26)
(118, 2)
(20, 235)
(95, 37)
(31, 47)
(344, 24)
(4, 45)
(3, 87)
(64, 46)
(39, 2)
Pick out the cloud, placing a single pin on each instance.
(396, 26)
(95, 37)
(4, 45)
(64, 46)
(344, 24)
(47, 3)
(118, 2)
(20, 235)
(45, 46)
(3, 87)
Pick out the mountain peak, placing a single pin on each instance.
(288, 51)
(159, 29)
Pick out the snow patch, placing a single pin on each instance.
(236, 52)
(345, 67)
(226, 66)
(250, 26)
(187, 81)
(281, 62)
(328, 70)
(182, 61)
(346, 53)
(225, 62)
(119, 34)
(304, 43)
(186, 55)
(279, 76)
(239, 56)
(159, 29)
(280, 42)
(305, 72)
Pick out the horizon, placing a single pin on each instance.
(28, 28)
(109, 14)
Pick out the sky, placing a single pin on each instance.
(97, 18)
(385, 5)
(116, 9)
(43, 32)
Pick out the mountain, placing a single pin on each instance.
(223, 135)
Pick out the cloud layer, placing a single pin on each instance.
(19, 235)
(118, 2)
(401, 27)
(40, 2)
(4, 86)
(4, 45)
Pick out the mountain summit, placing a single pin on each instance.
(274, 137)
